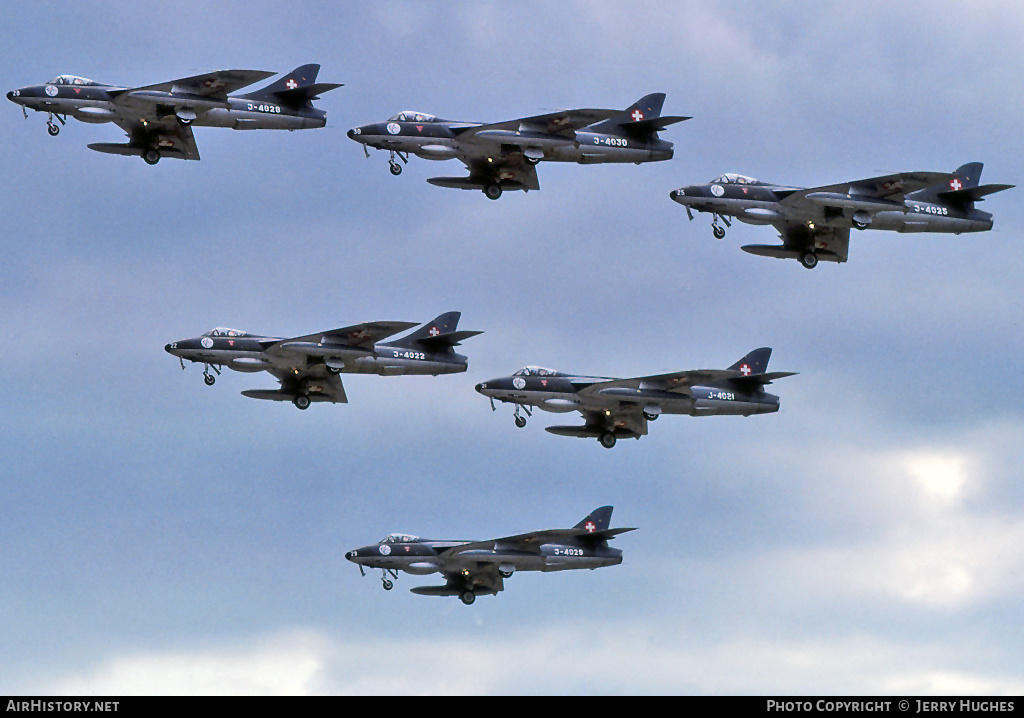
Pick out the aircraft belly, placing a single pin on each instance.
(395, 366)
(716, 407)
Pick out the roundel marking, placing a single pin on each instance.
(637, 115)
(955, 184)
(206, 342)
(51, 90)
(291, 84)
(717, 190)
(519, 382)
(745, 370)
(394, 128)
(384, 549)
(590, 527)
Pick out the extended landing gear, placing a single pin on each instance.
(209, 378)
(467, 597)
(396, 169)
(387, 583)
(151, 156)
(301, 402)
(809, 260)
(716, 230)
(493, 190)
(53, 129)
(607, 439)
(519, 418)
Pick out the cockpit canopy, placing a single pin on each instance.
(414, 117)
(400, 538)
(224, 332)
(71, 80)
(536, 371)
(733, 178)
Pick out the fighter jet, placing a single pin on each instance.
(158, 119)
(814, 224)
(621, 408)
(474, 568)
(308, 366)
(502, 156)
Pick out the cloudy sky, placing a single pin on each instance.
(160, 536)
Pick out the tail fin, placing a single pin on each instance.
(597, 520)
(756, 362)
(641, 119)
(438, 334)
(297, 88)
(964, 189)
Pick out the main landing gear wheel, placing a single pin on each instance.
(809, 260)
(210, 379)
(493, 190)
(650, 417)
(53, 129)
(607, 439)
(396, 169)
(151, 156)
(301, 401)
(520, 421)
(719, 232)
(467, 597)
(388, 585)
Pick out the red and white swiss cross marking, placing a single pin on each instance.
(955, 184)
(291, 84)
(745, 370)
(434, 331)
(637, 115)
(590, 527)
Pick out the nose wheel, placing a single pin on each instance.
(717, 230)
(209, 378)
(52, 128)
(396, 169)
(519, 418)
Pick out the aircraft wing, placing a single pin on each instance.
(526, 543)
(171, 137)
(359, 336)
(564, 123)
(875, 193)
(214, 85)
(679, 381)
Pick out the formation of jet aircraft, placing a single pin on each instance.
(158, 119)
(814, 224)
(503, 155)
(621, 408)
(308, 366)
(474, 568)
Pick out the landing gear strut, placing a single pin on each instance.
(396, 169)
(209, 378)
(519, 418)
(53, 129)
(719, 232)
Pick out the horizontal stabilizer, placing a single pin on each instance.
(301, 95)
(450, 339)
(972, 194)
(647, 127)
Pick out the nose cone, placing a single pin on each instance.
(167, 348)
(351, 555)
